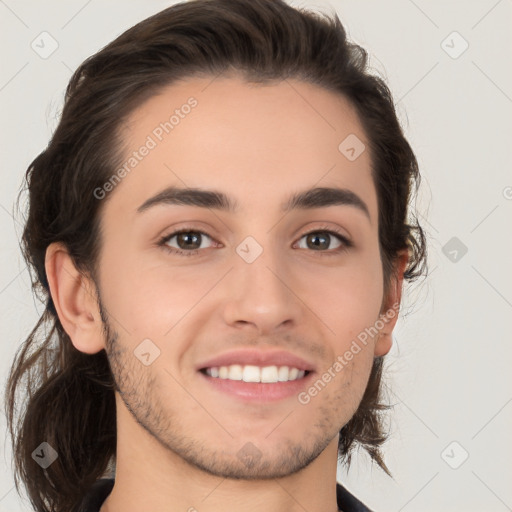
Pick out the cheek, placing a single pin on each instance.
(136, 299)
(154, 300)
(347, 299)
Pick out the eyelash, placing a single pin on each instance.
(346, 244)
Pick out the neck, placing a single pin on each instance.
(150, 477)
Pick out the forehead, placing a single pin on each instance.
(256, 143)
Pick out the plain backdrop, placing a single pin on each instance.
(448, 65)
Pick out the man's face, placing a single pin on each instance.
(259, 283)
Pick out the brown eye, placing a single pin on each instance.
(188, 242)
(322, 240)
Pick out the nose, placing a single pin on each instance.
(261, 294)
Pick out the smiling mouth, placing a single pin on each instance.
(252, 373)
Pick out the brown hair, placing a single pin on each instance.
(68, 396)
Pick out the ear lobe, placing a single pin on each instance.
(73, 295)
(389, 313)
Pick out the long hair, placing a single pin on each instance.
(66, 397)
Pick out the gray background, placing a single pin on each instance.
(449, 370)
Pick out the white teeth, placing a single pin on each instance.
(293, 373)
(251, 373)
(235, 372)
(282, 375)
(269, 374)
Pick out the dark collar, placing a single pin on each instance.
(347, 502)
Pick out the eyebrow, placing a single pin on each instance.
(318, 197)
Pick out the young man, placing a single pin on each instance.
(220, 227)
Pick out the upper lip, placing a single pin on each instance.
(257, 358)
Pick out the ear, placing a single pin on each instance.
(391, 306)
(74, 297)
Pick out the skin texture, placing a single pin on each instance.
(178, 438)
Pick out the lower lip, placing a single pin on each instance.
(259, 391)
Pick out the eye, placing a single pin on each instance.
(320, 240)
(188, 242)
